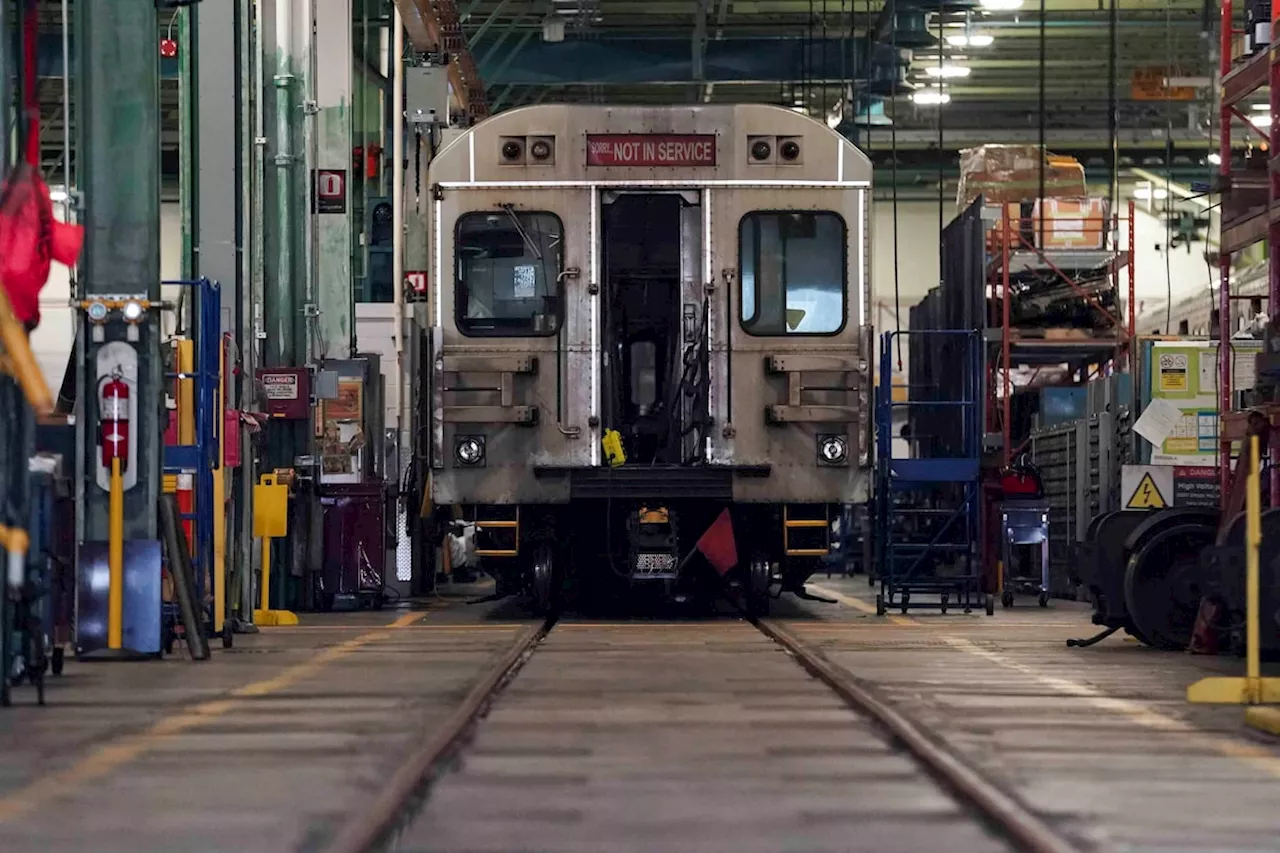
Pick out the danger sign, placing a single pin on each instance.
(668, 150)
(1146, 486)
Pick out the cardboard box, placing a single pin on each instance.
(1009, 173)
(1070, 223)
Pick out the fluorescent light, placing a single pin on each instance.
(1261, 108)
(1214, 159)
(1144, 192)
(1001, 5)
(947, 70)
(1260, 120)
(57, 196)
(970, 40)
(931, 97)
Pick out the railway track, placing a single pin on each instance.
(383, 825)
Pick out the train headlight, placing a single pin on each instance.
(832, 449)
(469, 450)
(132, 311)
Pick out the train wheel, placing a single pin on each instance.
(544, 581)
(758, 588)
(1163, 587)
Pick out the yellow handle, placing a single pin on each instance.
(266, 572)
(115, 559)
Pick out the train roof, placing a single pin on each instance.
(692, 144)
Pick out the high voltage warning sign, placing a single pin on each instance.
(1147, 495)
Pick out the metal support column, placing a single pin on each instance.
(332, 134)
(119, 171)
(216, 202)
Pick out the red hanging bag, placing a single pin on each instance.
(30, 240)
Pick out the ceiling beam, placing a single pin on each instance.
(434, 25)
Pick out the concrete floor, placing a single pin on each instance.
(268, 746)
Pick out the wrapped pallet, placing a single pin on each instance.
(1011, 173)
(1070, 223)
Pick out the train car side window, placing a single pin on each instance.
(508, 270)
(792, 269)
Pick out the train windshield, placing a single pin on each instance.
(508, 268)
(793, 272)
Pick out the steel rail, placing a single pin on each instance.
(374, 824)
(1026, 829)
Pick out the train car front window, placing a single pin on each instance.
(792, 267)
(508, 270)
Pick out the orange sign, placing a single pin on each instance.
(1147, 84)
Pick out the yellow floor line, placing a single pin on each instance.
(111, 757)
(1257, 756)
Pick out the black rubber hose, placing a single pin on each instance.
(180, 570)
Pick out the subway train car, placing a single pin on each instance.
(646, 347)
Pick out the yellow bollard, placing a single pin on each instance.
(115, 559)
(266, 573)
(1253, 689)
(270, 520)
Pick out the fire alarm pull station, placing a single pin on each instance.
(116, 393)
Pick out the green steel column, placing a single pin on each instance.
(118, 114)
(282, 309)
(187, 155)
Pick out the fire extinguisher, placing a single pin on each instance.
(113, 408)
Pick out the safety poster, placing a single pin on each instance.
(1186, 375)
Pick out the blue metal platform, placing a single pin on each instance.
(928, 484)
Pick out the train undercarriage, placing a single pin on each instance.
(694, 552)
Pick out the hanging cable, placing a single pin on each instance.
(1113, 118)
(1044, 150)
(893, 162)
(1168, 169)
(941, 138)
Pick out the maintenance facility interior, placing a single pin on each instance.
(621, 425)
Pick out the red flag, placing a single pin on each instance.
(717, 544)
(30, 240)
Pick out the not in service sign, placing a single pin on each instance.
(651, 150)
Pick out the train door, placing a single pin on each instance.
(513, 320)
(653, 346)
(790, 268)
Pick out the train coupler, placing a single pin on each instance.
(653, 544)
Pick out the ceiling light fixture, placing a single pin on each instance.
(947, 71)
(931, 97)
(1001, 5)
(970, 40)
(1214, 159)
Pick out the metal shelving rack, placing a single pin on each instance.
(1256, 223)
(1011, 346)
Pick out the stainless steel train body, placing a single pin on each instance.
(690, 281)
